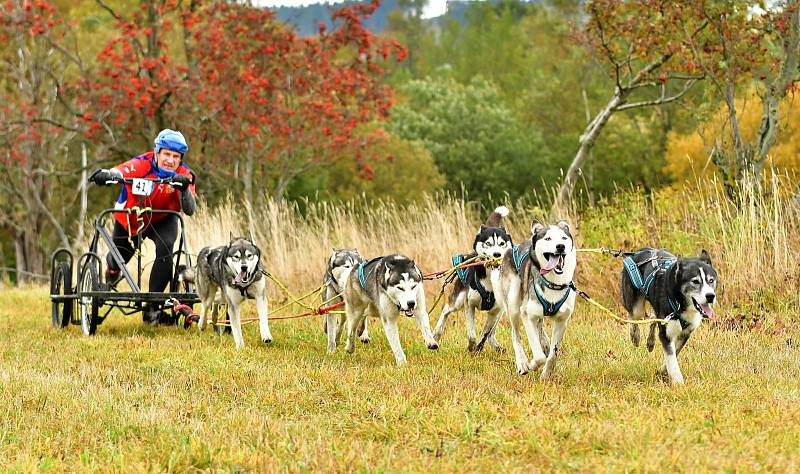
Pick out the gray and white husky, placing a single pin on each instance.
(473, 288)
(534, 282)
(234, 269)
(679, 289)
(387, 286)
(340, 265)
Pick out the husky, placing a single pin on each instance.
(234, 269)
(387, 286)
(340, 264)
(681, 290)
(473, 288)
(534, 281)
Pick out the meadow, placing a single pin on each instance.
(140, 398)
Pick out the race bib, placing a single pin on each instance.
(142, 187)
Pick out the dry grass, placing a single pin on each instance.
(137, 398)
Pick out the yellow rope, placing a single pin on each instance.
(617, 318)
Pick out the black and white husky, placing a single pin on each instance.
(234, 269)
(340, 264)
(473, 289)
(679, 289)
(534, 282)
(387, 286)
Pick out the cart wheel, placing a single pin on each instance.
(89, 306)
(62, 285)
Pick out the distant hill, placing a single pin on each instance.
(306, 19)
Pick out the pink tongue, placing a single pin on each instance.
(708, 310)
(551, 264)
(240, 277)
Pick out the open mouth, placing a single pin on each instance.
(705, 310)
(408, 312)
(241, 278)
(555, 262)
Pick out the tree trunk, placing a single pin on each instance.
(29, 259)
(587, 141)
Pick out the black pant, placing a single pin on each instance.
(163, 233)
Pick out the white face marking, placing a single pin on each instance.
(700, 287)
(341, 272)
(239, 262)
(404, 293)
(494, 246)
(554, 237)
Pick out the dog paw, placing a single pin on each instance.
(365, 339)
(473, 346)
(534, 364)
(433, 345)
(522, 369)
(267, 340)
(635, 335)
(499, 348)
(401, 362)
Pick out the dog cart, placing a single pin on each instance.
(88, 299)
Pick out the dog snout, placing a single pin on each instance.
(710, 297)
(497, 255)
(411, 304)
(560, 248)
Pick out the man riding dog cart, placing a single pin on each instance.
(175, 192)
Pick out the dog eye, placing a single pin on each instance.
(548, 238)
(502, 244)
(564, 238)
(696, 281)
(711, 280)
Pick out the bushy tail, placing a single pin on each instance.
(495, 219)
(187, 275)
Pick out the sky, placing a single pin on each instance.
(434, 7)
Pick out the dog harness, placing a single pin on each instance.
(362, 278)
(469, 277)
(548, 308)
(644, 283)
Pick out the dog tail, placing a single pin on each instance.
(496, 218)
(186, 274)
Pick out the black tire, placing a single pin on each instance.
(61, 285)
(89, 307)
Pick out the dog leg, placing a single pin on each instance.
(421, 316)
(670, 357)
(354, 316)
(333, 330)
(559, 328)
(470, 319)
(636, 313)
(489, 329)
(262, 306)
(651, 338)
(365, 339)
(393, 335)
(235, 321)
(520, 357)
(532, 330)
(544, 341)
(441, 324)
(203, 315)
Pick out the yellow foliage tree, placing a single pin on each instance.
(687, 157)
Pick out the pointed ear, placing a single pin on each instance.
(481, 228)
(563, 225)
(704, 256)
(678, 264)
(536, 226)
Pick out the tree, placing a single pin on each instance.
(476, 141)
(754, 51)
(644, 47)
(291, 104)
(32, 149)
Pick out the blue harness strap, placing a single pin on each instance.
(362, 278)
(549, 308)
(457, 259)
(518, 258)
(645, 284)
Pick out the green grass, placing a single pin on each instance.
(137, 398)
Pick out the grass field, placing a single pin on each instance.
(138, 398)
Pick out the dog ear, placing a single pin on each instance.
(481, 228)
(704, 256)
(678, 264)
(536, 226)
(564, 225)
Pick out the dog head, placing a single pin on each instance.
(492, 239)
(402, 281)
(342, 262)
(696, 280)
(553, 248)
(242, 257)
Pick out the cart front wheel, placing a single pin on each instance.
(89, 306)
(61, 286)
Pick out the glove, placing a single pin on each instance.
(181, 181)
(101, 177)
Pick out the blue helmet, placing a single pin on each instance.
(171, 140)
